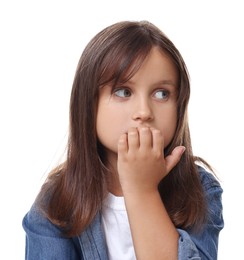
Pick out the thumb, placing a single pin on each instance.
(172, 159)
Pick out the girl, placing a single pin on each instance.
(130, 187)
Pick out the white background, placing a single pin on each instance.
(40, 44)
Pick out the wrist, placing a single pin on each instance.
(136, 196)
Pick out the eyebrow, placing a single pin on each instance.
(160, 82)
(166, 82)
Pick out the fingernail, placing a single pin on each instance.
(182, 149)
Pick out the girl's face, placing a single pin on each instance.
(147, 99)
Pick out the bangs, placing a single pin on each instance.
(123, 59)
(122, 67)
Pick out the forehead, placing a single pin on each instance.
(158, 65)
(157, 70)
(152, 60)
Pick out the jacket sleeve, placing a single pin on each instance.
(204, 245)
(44, 240)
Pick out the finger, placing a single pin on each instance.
(122, 144)
(158, 141)
(172, 159)
(133, 139)
(145, 137)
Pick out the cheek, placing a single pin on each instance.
(101, 122)
(168, 126)
(108, 127)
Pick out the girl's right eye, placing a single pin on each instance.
(122, 93)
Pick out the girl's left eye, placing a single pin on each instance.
(122, 93)
(161, 94)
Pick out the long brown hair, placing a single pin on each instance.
(73, 192)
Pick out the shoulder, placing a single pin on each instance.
(36, 222)
(213, 194)
(44, 240)
(204, 244)
(208, 180)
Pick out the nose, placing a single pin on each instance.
(142, 111)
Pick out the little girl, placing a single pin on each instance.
(130, 187)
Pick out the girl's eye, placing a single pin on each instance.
(122, 93)
(161, 94)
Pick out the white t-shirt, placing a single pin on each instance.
(116, 228)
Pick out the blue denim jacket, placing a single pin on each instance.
(44, 241)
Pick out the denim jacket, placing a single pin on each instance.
(44, 241)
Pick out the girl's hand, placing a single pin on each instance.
(141, 162)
